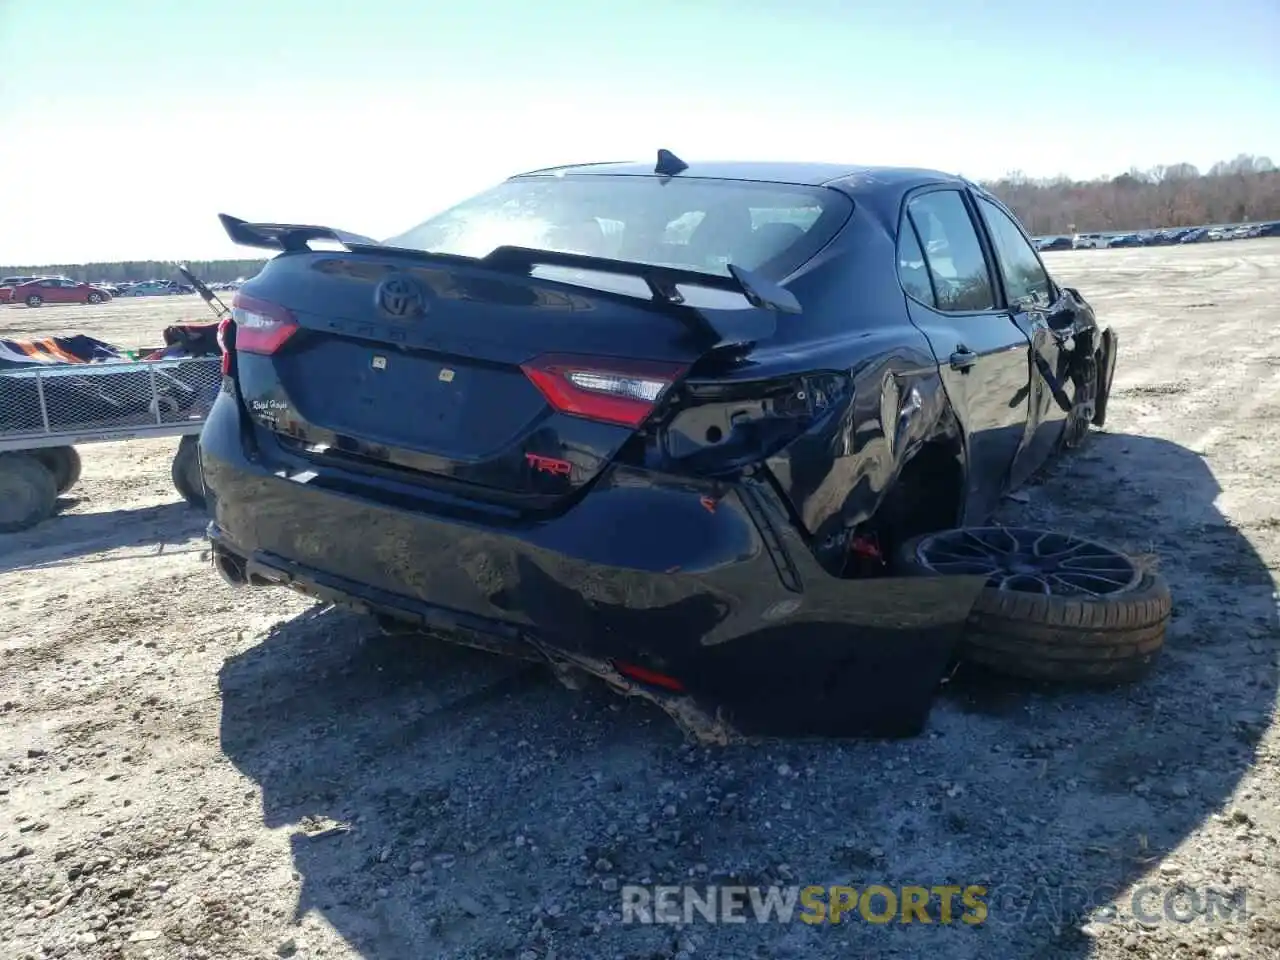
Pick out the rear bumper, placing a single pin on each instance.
(712, 586)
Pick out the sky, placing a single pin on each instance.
(126, 126)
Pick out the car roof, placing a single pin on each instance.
(849, 177)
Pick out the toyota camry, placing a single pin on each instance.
(664, 423)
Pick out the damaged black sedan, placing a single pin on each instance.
(666, 424)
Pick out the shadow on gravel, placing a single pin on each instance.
(66, 537)
(493, 812)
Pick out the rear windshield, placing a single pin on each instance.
(701, 225)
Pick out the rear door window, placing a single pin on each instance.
(1024, 275)
(952, 251)
(912, 270)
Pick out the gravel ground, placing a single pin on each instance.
(192, 771)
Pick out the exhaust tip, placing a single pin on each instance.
(230, 568)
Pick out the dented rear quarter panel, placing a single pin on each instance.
(855, 322)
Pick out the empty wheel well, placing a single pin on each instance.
(927, 496)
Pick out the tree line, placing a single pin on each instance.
(1243, 190)
(210, 271)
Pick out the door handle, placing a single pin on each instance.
(963, 359)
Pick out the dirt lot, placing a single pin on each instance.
(174, 753)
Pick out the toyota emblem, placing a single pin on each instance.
(399, 297)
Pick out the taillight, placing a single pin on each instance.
(224, 325)
(261, 327)
(604, 389)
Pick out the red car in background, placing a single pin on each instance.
(34, 293)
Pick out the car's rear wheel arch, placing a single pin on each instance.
(937, 471)
(927, 494)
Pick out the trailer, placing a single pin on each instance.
(48, 409)
(46, 412)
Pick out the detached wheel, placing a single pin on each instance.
(63, 463)
(186, 471)
(28, 492)
(1056, 607)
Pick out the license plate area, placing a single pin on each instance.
(423, 398)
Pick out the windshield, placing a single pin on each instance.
(701, 225)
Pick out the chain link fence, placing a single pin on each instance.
(94, 401)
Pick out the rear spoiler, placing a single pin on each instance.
(662, 281)
(287, 237)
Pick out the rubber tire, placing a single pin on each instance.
(64, 463)
(1114, 639)
(28, 492)
(34, 300)
(186, 472)
(94, 298)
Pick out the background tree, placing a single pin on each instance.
(1244, 189)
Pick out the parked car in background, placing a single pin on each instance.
(1125, 240)
(1053, 243)
(1196, 235)
(7, 285)
(35, 293)
(1269, 229)
(150, 288)
(1088, 241)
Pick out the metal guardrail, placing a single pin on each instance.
(68, 404)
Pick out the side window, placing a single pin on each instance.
(1024, 276)
(961, 280)
(911, 266)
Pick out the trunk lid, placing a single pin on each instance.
(517, 377)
